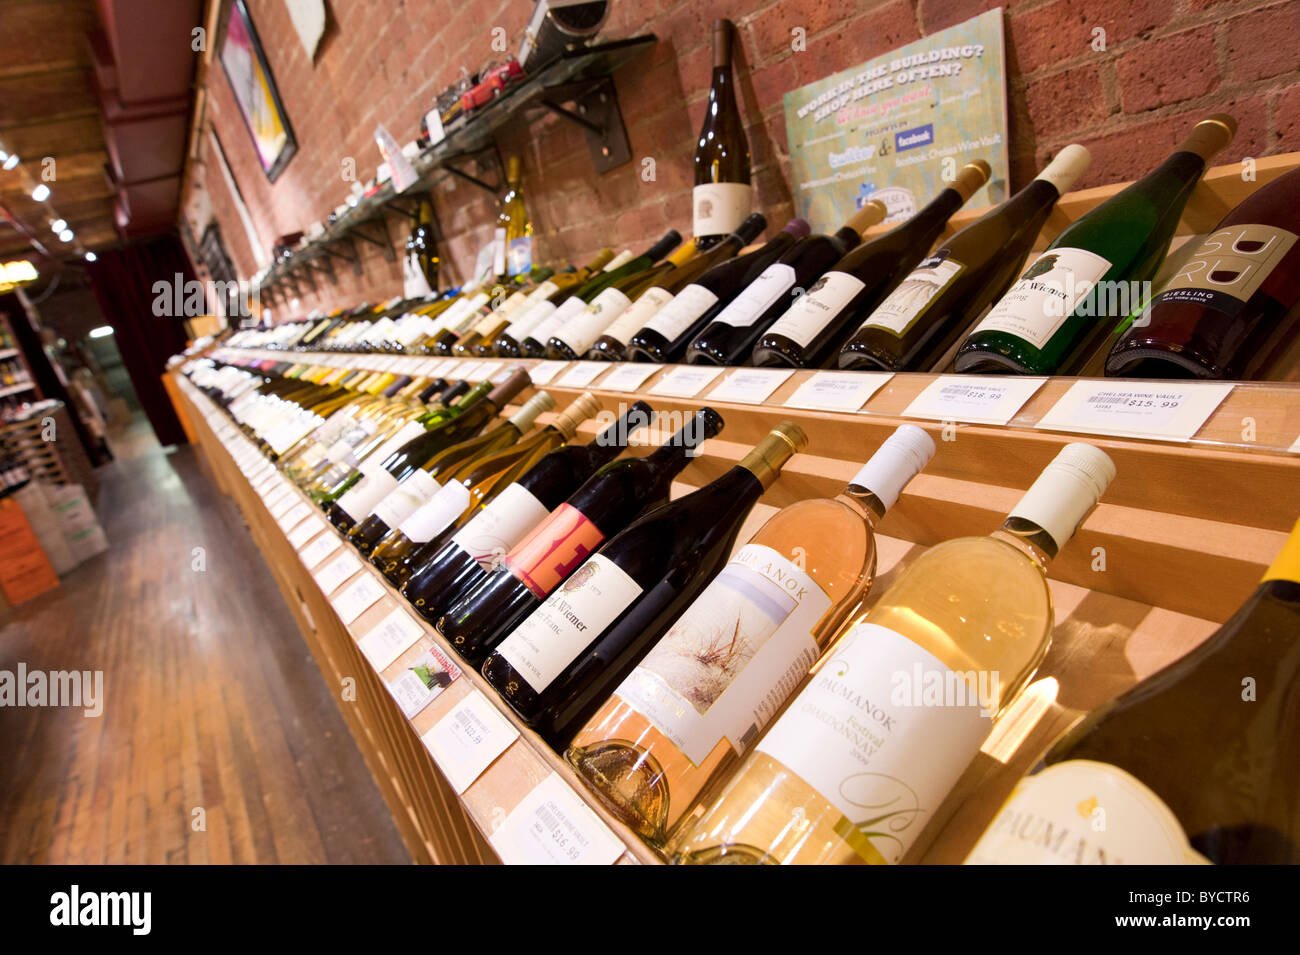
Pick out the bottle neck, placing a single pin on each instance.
(1028, 538)
(869, 507)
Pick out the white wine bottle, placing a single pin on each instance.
(722, 196)
(869, 749)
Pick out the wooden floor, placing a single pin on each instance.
(211, 699)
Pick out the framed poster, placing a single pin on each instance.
(898, 127)
(244, 61)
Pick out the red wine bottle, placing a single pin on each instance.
(610, 500)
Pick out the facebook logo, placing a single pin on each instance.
(911, 138)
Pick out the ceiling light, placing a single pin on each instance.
(65, 235)
(11, 160)
(91, 256)
(41, 192)
(103, 331)
(58, 225)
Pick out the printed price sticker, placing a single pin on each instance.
(283, 504)
(685, 381)
(1165, 410)
(629, 376)
(299, 512)
(838, 390)
(334, 573)
(750, 386)
(486, 370)
(544, 371)
(429, 367)
(300, 535)
(319, 549)
(358, 598)
(552, 826)
(390, 638)
(419, 684)
(972, 399)
(583, 373)
(467, 740)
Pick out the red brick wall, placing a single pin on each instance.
(1165, 62)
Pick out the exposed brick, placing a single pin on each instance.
(1287, 110)
(1169, 70)
(1063, 31)
(1264, 43)
(1066, 101)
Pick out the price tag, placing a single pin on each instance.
(429, 367)
(583, 373)
(359, 597)
(487, 370)
(416, 687)
(299, 512)
(300, 535)
(462, 371)
(1166, 410)
(838, 390)
(319, 549)
(337, 571)
(629, 376)
(467, 740)
(448, 368)
(544, 371)
(390, 638)
(972, 399)
(278, 494)
(283, 505)
(433, 123)
(552, 826)
(264, 483)
(750, 386)
(686, 381)
(1295, 448)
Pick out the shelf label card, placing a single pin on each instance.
(686, 381)
(1295, 448)
(552, 826)
(486, 370)
(358, 598)
(333, 574)
(751, 386)
(319, 549)
(300, 535)
(299, 512)
(1171, 411)
(433, 123)
(419, 684)
(972, 399)
(583, 373)
(838, 390)
(468, 740)
(429, 367)
(629, 376)
(283, 504)
(390, 638)
(544, 371)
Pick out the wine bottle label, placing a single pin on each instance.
(468, 317)
(531, 318)
(287, 437)
(817, 308)
(1082, 812)
(679, 314)
(1228, 268)
(414, 282)
(418, 488)
(519, 255)
(499, 251)
(543, 331)
(491, 534)
(553, 549)
(436, 514)
(585, 327)
(905, 304)
(733, 658)
(760, 295)
(638, 314)
(1045, 295)
(720, 207)
(880, 756)
(375, 484)
(575, 614)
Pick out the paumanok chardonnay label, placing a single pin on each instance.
(677, 315)
(500, 526)
(1228, 267)
(720, 207)
(418, 488)
(815, 309)
(885, 766)
(554, 549)
(760, 295)
(1045, 295)
(905, 304)
(436, 514)
(1082, 812)
(733, 658)
(554, 634)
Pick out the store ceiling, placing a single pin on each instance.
(102, 87)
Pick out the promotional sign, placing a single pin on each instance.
(898, 127)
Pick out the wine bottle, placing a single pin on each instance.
(722, 196)
(504, 298)
(478, 546)
(676, 726)
(954, 286)
(729, 337)
(610, 500)
(472, 484)
(664, 337)
(420, 266)
(1095, 272)
(567, 656)
(377, 477)
(513, 249)
(812, 328)
(1240, 290)
(508, 343)
(423, 484)
(972, 616)
(515, 307)
(574, 337)
(1185, 767)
